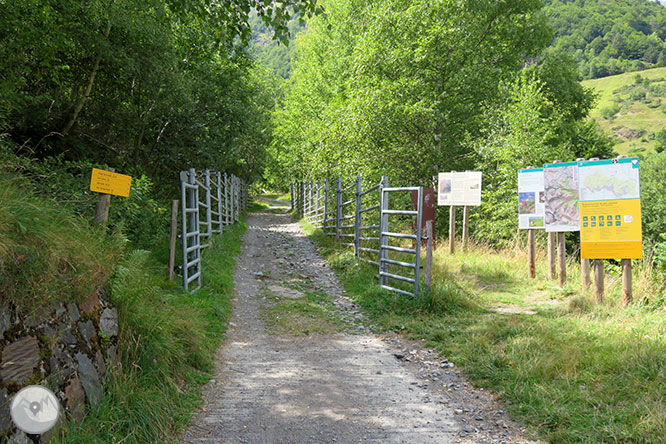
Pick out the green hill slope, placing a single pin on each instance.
(609, 37)
(632, 107)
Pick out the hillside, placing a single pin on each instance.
(609, 37)
(270, 52)
(632, 107)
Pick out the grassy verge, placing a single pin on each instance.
(303, 312)
(167, 346)
(573, 371)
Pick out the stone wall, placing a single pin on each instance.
(67, 349)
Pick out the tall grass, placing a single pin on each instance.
(47, 255)
(167, 345)
(575, 372)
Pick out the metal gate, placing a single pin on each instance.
(210, 200)
(385, 234)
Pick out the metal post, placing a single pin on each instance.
(338, 210)
(383, 228)
(357, 218)
(316, 216)
(419, 219)
(209, 216)
(219, 200)
(325, 221)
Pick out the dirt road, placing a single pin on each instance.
(337, 384)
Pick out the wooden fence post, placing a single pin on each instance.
(452, 229)
(552, 271)
(174, 235)
(599, 280)
(585, 274)
(531, 253)
(465, 227)
(627, 290)
(561, 258)
(428, 264)
(102, 205)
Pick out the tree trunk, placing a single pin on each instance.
(79, 105)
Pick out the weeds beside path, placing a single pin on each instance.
(297, 367)
(572, 371)
(167, 345)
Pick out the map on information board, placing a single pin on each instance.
(561, 197)
(610, 209)
(603, 181)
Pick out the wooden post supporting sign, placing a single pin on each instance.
(561, 259)
(102, 205)
(627, 290)
(552, 271)
(465, 227)
(531, 253)
(599, 280)
(452, 229)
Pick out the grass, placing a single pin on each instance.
(635, 115)
(47, 255)
(574, 371)
(167, 346)
(313, 313)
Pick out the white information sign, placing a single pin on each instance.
(459, 189)
(531, 199)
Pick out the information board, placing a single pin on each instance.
(562, 211)
(107, 182)
(610, 209)
(459, 189)
(531, 199)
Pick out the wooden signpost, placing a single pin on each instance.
(107, 183)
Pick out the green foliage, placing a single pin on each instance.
(608, 38)
(167, 344)
(374, 92)
(148, 87)
(660, 140)
(653, 198)
(47, 255)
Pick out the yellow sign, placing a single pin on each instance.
(610, 209)
(611, 229)
(107, 182)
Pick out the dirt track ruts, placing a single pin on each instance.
(336, 388)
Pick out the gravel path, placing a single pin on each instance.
(336, 388)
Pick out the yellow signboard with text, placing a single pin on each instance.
(610, 209)
(107, 182)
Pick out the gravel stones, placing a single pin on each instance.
(19, 360)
